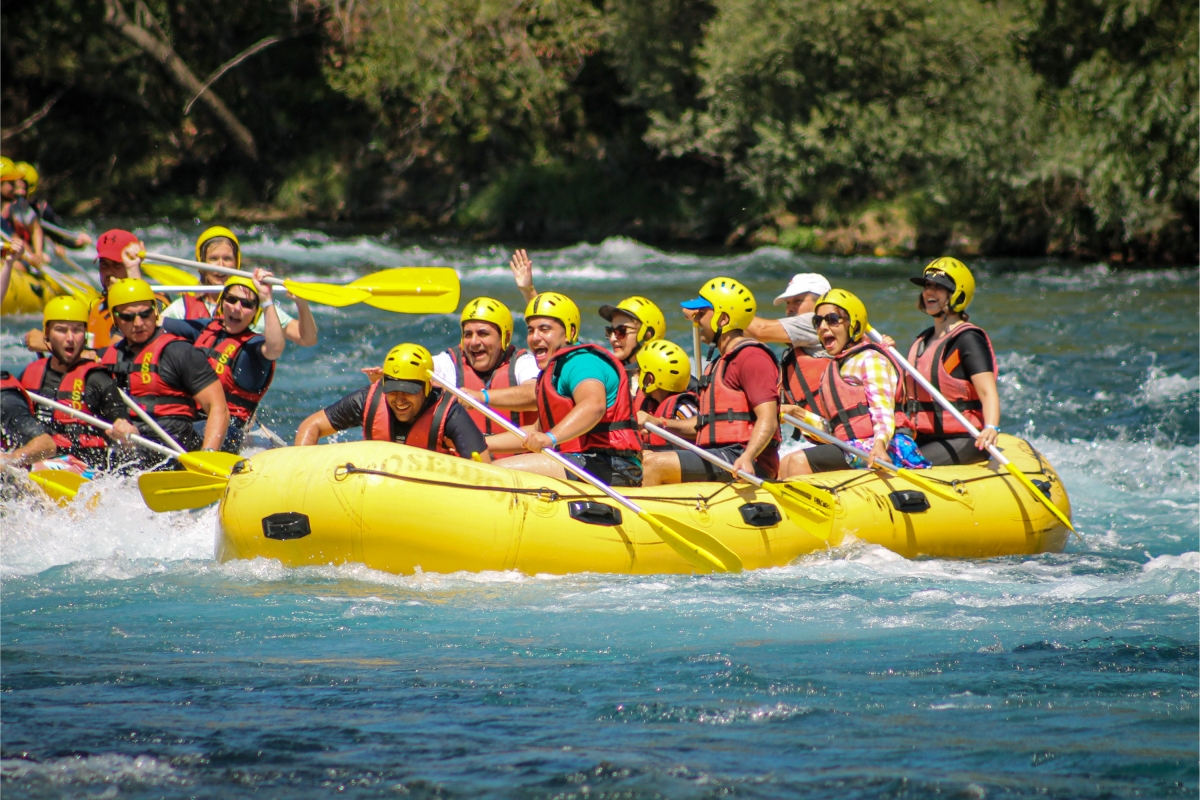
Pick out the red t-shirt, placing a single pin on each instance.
(755, 373)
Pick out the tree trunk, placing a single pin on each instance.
(161, 52)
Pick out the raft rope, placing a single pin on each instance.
(544, 492)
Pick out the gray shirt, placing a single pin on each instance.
(802, 334)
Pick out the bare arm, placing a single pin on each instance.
(685, 428)
(767, 330)
(36, 449)
(272, 330)
(303, 329)
(989, 397)
(212, 399)
(508, 442)
(766, 422)
(315, 427)
(511, 398)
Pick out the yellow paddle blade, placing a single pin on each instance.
(1055, 510)
(62, 486)
(327, 294)
(939, 489)
(169, 276)
(809, 508)
(176, 491)
(412, 290)
(216, 465)
(696, 547)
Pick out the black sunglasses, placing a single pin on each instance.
(130, 316)
(620, 331)
(828, 319)
(244, 302)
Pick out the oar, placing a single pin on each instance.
(974, 432)
(164, 274)
(206, 463)
(404, 290)
(92, 280)
(697, 364)
(149, 420)
(809, 507)
(61, 486)
(193, 289)
(177, 491)
(50, 226)
(702, 551)
(909, 475)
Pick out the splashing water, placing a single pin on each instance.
(134, 665)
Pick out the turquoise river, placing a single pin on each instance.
(133, 665)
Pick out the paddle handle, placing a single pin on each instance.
(936, 395)
(836, 442)
(184, 262)
(679, 441)
(565, 463)
(194, 289)
(50, 226)
(697, 364)
(101, 424)
(149, 420)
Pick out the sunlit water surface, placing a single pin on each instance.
(134, 665)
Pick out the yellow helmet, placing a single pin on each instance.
(954, 276)
(486, 309)
(556, 306)
(129, 290)
(238, 280)
(663, 365)
(857, 325)
(28, 174)
(65, 309)
(730, 297)
(8, 170)
(217, 232)
(654, 323)
(406, 369)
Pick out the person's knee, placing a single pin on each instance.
(658, 468)
(794, 464)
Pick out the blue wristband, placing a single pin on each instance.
(486, 402)
(996, 428)
(553, 438)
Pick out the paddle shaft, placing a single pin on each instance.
(184, 262)
(198, 289)
(50, 226)
(697, 364)
(101, 424)
(562, 461)
(836, 442)
(707, 456)
(149, 420)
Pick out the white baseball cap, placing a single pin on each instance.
(804, 283)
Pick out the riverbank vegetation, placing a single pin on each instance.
(1017, 127)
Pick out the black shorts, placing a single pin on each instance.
(951, 450)
(826, 458)
(611, 469)
(694, 469)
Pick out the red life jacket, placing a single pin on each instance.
(222, 349)
(615, 433)
(666, 410)
(19, 229)
(428, 430)
(927, 416)
(802, 378)
(68, 432)
(152, 392)
(7, 381)
(725, 414)
(844, 404)
(194, 308)
(503, 376)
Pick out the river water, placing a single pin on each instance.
(134, 665)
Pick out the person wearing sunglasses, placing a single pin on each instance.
(861, 395)
(165, 374)
(958, 359)
(243, 360)
(739, 394)
(631, 324)
(585, 408)
(220, 247)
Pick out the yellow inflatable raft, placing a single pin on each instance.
(28, 294)
(400, 509)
